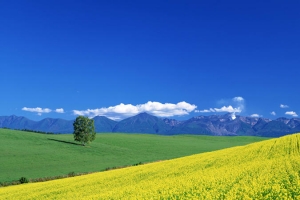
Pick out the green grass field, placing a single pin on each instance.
(263, 170)
(34, 155)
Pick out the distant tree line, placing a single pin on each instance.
(28, 130)
(42, 132)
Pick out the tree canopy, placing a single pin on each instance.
(84, 130)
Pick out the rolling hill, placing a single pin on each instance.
(144, 123)
(264, 170)
(36, 155)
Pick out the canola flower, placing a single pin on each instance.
(262, 170)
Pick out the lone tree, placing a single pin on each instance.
(84, 130)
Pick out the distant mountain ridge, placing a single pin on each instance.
(222, 125)
(45, 125)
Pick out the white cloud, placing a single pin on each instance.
(255, 115)
(233, 116)
(292, 113)
(127, 110)
(59, 110)
(283, 106)
(228, 109)
(237, 102)
(238, 99)
(210, 110)
(273, 113)
(38, 110)
(205, 111)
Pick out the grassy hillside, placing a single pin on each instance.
(34, 155)
(263, 170)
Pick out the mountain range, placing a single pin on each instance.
(222, 125)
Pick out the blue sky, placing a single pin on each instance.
(175, 59)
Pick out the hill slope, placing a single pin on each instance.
(262, 170)
(36, 155)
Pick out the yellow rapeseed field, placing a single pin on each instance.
(262, 170)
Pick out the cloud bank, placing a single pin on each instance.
(228, 109)
(122, 111)
(292, 113)
(273, 113)
(238, 102)
(37, 110)
(40, 111)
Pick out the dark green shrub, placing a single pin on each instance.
(71, 174)
(140, 163)
(23, 180)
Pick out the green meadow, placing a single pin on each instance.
(34, 155)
